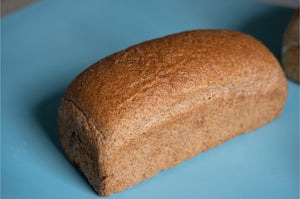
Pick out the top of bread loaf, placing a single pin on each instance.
(129, 91)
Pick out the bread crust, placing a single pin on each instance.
(290, 49)
(149, 107)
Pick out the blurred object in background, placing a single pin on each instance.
(8, 6)
(290, 48)
(285, 3)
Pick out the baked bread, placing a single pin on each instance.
(290, 49)
(150, 107)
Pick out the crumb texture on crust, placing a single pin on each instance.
(158, 103)
(148, 81)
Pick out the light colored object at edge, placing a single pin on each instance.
(285, 3)
(8, 6)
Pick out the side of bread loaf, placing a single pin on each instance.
(290, 49)
(149, 107)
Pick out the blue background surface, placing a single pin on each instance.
(45, 45)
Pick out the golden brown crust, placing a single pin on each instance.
(158, 103)
(290, 49)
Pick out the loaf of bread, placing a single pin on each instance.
(290, 49)
(150, 107)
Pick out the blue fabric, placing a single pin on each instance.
(46, 44)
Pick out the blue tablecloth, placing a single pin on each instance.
(45, 45)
